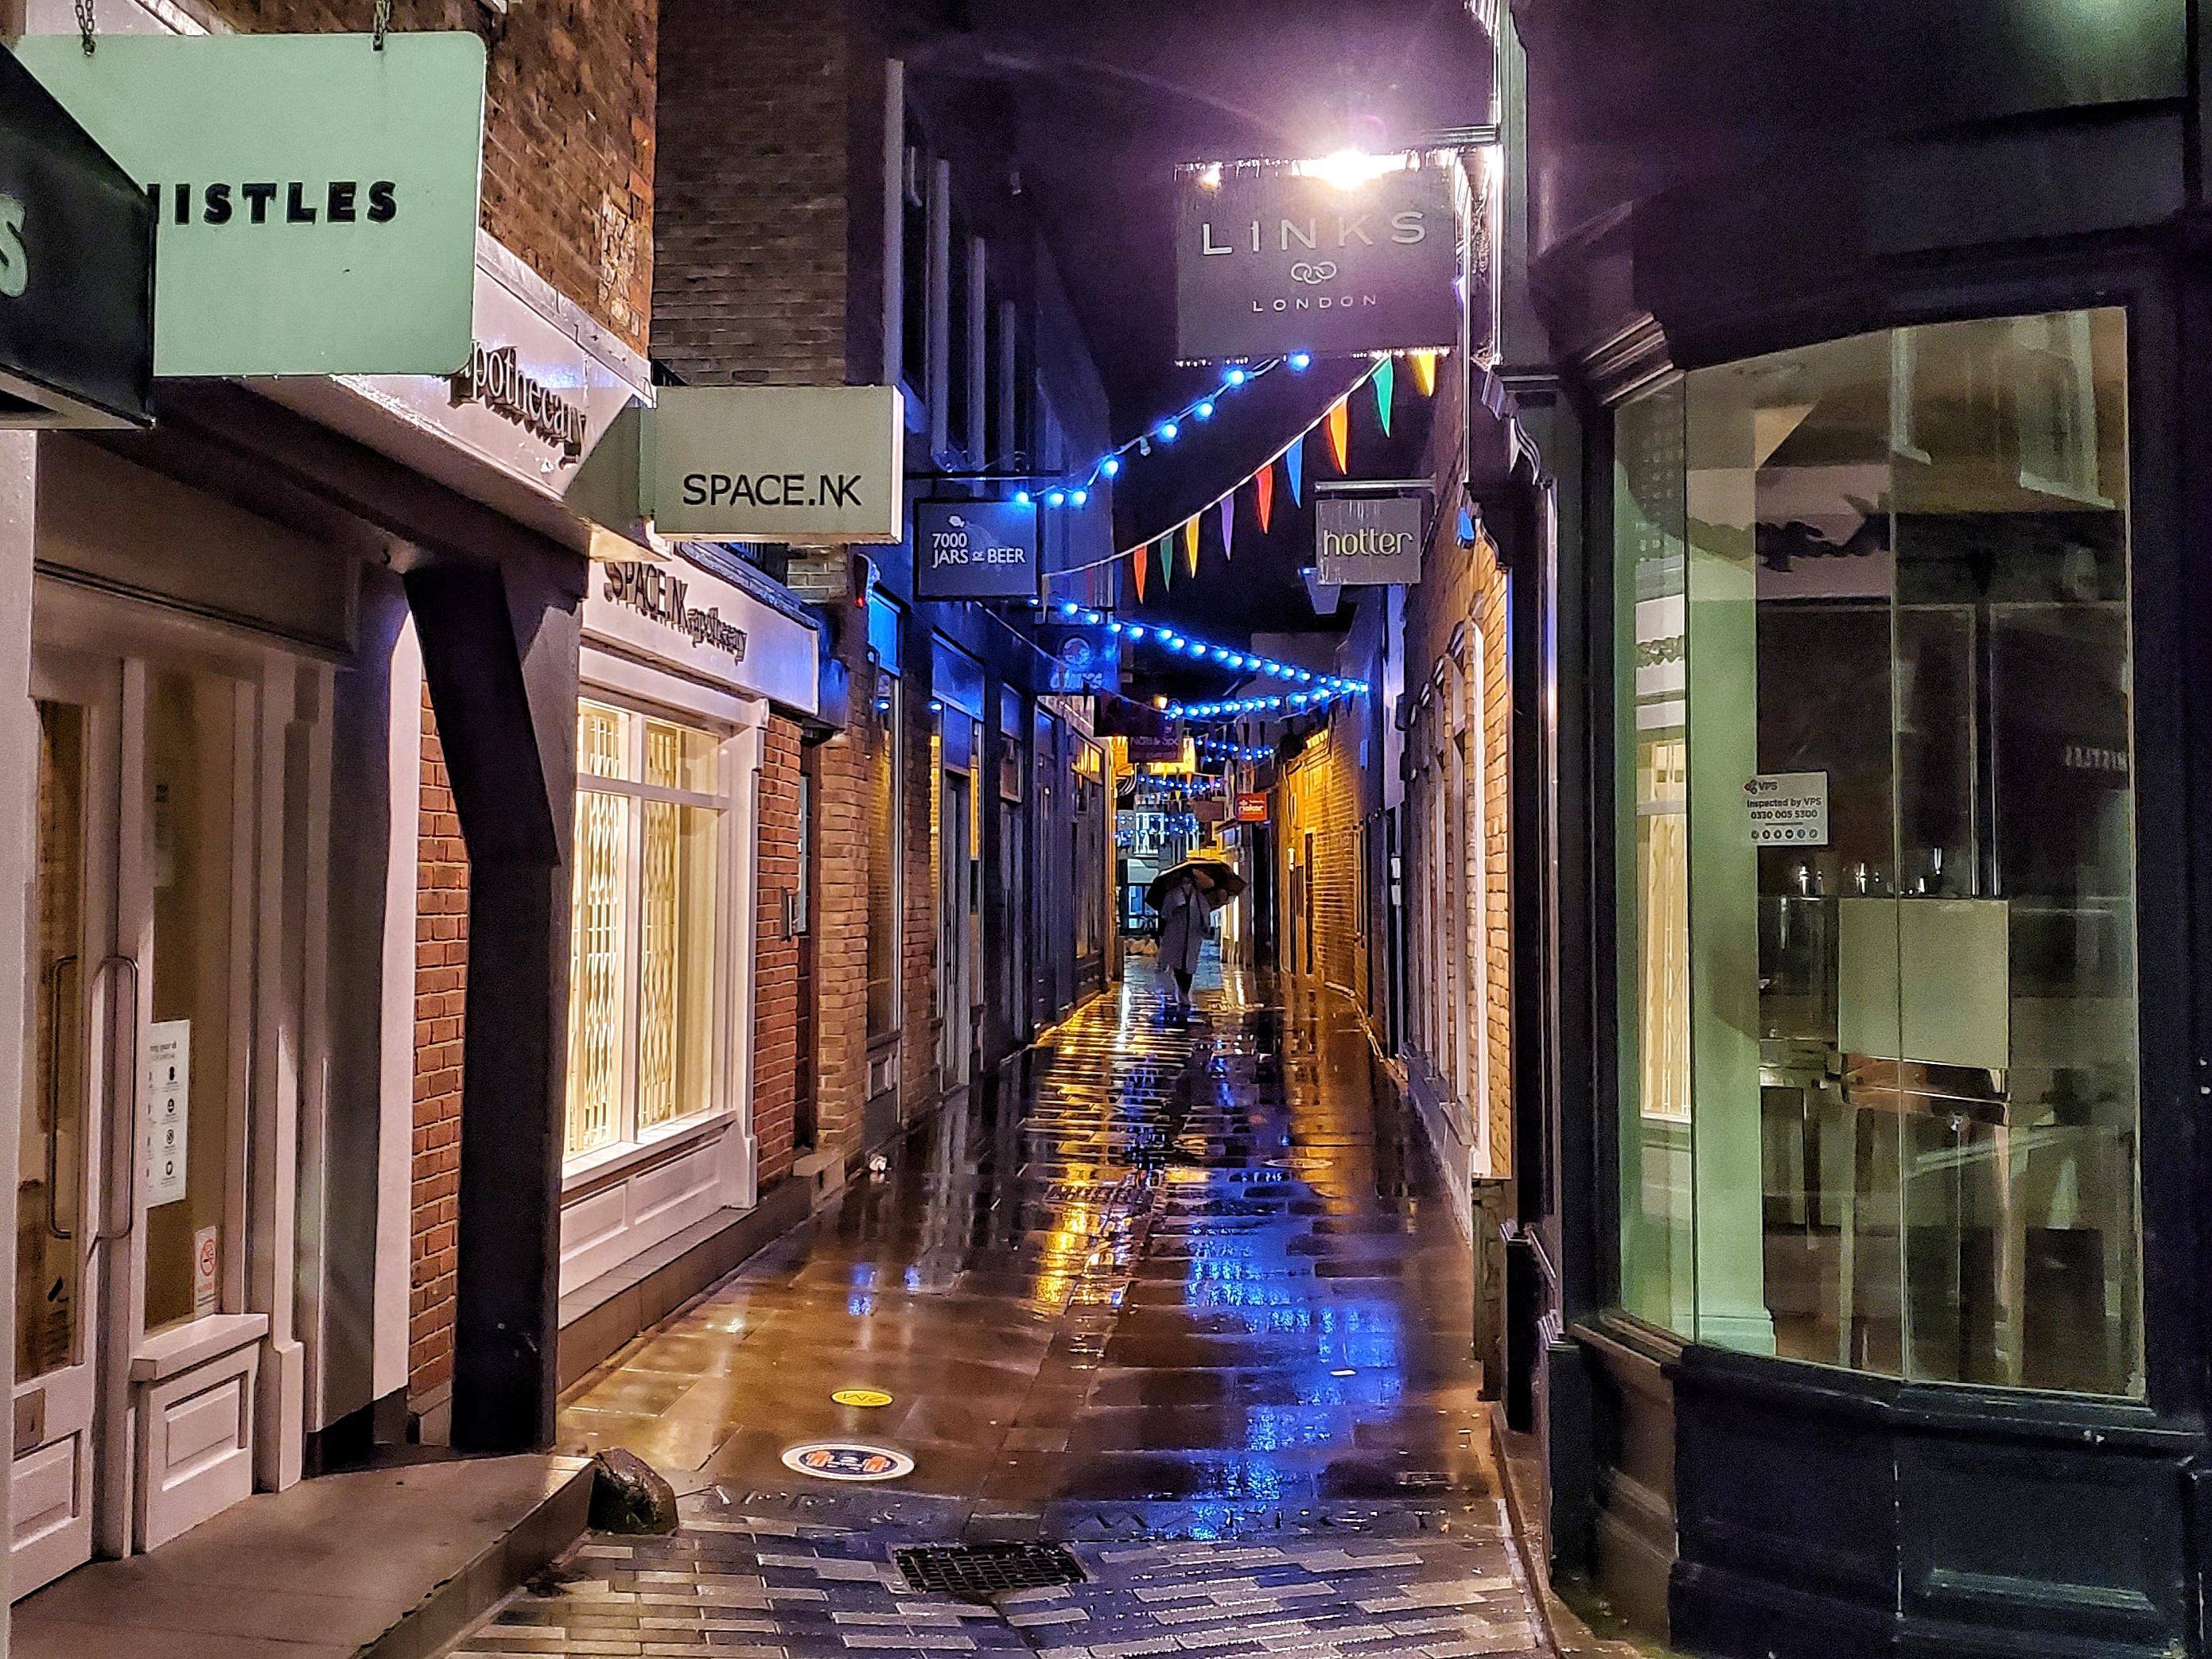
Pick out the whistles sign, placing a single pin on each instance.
(315, 198)
(1270, 261)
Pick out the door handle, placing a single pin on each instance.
(62, 965)
(104, 1236)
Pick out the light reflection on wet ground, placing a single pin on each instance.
(1203, 1270)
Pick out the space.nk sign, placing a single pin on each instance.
(315, 198)
(775, 464)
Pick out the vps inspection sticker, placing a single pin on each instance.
(838, 1460)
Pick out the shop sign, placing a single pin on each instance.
(495, 377)
(694, 621)
(1270, 260)
(1163, 748)
(1369, 541)
(1087, 660)
(774, 463)
(1788, 809)
(835, 1460)
(975, 550)
(169, 1075)
(77, 269)
(315, 198)
(1251, 809)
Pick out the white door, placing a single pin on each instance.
(133, 1398)
(85, 994)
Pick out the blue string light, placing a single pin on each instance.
(1326, 687)
(1074, 489)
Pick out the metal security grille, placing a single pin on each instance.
(978, 1572)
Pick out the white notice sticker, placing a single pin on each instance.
(167, 1100)
(1788, 809)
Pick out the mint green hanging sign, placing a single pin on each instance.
(316, 198)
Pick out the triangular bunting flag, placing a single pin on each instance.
(1167, 561)
(1386, 386)
(1136, 567)
(1263, 495)
(1424, 372)
(1294, 469)
(1228, 525)
(1190, 542)
(1339, 433)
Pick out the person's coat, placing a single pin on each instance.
(1186, 922)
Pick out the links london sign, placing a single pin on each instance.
(495, 378)
(1273, 258)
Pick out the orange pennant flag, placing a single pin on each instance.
(1264, 490)
(1339, 433)
(1137, 568)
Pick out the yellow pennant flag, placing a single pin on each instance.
(1190, 543)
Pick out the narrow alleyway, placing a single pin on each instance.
(1183, 1297)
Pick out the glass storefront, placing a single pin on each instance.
(1876, 855)
(645, 920)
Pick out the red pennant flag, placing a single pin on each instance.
(1264, 491)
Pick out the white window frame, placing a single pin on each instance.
(630, 1145)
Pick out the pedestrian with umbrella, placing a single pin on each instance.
(1186, 896)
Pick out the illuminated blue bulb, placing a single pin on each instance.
(1055, 498)
(1168, 636)
(1093, 617)
(1136, 632)
(1077, 498)
(1220, 655)
(1305, 677)
(1021, 498)
(1204, 411)
(1113, 627)
(1301, 360)
(1166, 431)
(1235, 377)
(1109, 466)
(1068, 607)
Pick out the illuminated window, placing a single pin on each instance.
(644, 925)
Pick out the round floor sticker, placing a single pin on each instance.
(867, 1397)
(840, 1460)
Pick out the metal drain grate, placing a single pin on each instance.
(977, 1572)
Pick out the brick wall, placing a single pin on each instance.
(841, 916)
(1464, 588)
(775, 956)
(441, 955)
(755, 177)
(921, 1024)
(568, 133)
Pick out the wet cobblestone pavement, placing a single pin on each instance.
(1182, 1297)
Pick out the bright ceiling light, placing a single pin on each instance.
(1348, 169)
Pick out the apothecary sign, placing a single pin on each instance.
(1332, 258)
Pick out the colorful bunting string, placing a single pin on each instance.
(1338, 425)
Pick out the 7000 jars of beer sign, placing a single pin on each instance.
(1270, 260)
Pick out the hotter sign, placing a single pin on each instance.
(1367, 540)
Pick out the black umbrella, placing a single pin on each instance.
(1227, 884)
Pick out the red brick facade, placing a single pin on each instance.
(568, 133)
(441, 955)
(775, 956)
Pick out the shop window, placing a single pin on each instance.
(1876, 855)
(644, 928)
